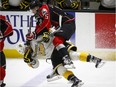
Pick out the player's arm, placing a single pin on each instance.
(6, 28)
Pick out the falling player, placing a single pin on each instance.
(5, 31)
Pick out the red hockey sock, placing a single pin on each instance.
(2, 73)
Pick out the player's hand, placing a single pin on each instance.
(46, 37)
(30, 36)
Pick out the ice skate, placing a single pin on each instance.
(78, 83)
(67, 62)
(3, 85)
(53, 76)
(99, 63)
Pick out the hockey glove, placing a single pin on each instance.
(46, 37)
(28, 55)
(30, 36)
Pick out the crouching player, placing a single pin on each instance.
(5, 31)
(58, 68)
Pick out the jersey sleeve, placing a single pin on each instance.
(46, 19)
(6, 28)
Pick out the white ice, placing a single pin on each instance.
(19, 74)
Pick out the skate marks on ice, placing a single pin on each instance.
(20, 75)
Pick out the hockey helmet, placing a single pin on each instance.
(35, 3)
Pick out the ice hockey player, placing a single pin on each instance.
(56, 57)
(75, 55)
(47, 16)
(5, 31)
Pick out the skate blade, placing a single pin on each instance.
(80, 84)
(100, 65)
(54, 78)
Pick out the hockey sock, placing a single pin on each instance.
(2, 73)
(84, 57)
(67, 74)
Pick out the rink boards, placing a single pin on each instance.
(95, 33)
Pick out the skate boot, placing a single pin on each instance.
(76, 82)
(53, 76)
(98, 62)
(3, 85)
(67, 62)
(70, 66)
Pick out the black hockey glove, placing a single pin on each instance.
(28, 55)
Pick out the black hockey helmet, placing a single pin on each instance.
(35, 3)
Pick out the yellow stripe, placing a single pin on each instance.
(27, 53)
(106, 55)
(67, 74)
(83, 56)
(12, 53)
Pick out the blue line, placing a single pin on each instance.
(38, 79)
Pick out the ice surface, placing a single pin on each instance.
(19, 74)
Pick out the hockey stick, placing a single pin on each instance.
(20, 47)
(30, 24)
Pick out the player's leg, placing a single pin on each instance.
(58, 43)
(86, 57)
(67, 30)
(2, 69)
(82, 56)
(59, 70)
(68, 75)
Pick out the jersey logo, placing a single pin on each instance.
(45, 13)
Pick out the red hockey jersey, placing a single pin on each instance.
(5, 30)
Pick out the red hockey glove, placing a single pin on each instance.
(30, 36)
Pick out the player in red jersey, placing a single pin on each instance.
(47, 17)
(5, 31)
